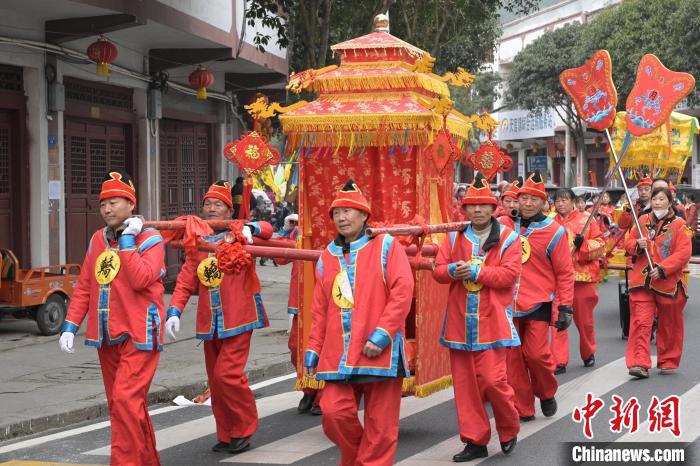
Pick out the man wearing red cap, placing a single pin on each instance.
(509, 200)
(120, 290)
(481, 264)
(589, 247)
(363, 293)
(228, 310)
(641, 207)
(547, 276)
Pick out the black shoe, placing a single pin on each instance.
(507, 447)
(549, 407)
(527, 418)
(560, 370)
(306, 402)
(639, 372)
(316, 411)
(220, 447)
(471, 452)
(239, 445)
(590, 362)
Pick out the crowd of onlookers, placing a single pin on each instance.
(265, 206)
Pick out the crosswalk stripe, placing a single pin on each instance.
(690, 427)
(191, 430)
(101, 425)
(569, 395)
(312, 441)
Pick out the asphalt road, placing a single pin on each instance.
(428, 429)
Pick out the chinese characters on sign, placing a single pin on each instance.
(521, 124)
(661, 414)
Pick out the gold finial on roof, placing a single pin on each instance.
(381, 23)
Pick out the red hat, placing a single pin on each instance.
(513, 189)
(534, 186)
(117, 183)
(646, 181)
(479, 192)
(220, 190)
(350, 196)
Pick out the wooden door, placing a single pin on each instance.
(185, 175)
(91, 149)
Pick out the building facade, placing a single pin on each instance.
(62, 126)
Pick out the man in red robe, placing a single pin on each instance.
(310, 402)
(547, 276)
(120, 290)
(228, 310)
(363, 293)
(641, 207)
(589, 247)
(481, 264)
(508, 205)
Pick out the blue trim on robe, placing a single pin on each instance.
(293, 311)
(69, 327)
(149, 243)
(310, 358)
(555, 239)
(380, 337)
(127, 242)
(173, 311)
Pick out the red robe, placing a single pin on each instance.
(226, 316)
(666, 296)
(225, 310)
(129, 307)
(381, 281)
(124, 323)
(586, 276)
(478, 329)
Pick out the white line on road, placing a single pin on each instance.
(101, 425)
(568, 396)
(191, 430)
(309, 442)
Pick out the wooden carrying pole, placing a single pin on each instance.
(416, 230)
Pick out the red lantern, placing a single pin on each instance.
(201, 79)
(102, 52)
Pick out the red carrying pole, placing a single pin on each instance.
(180, 224)
(415, 230)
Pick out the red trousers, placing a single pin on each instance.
(232, 401)
(293, 345)
(585, 301)
(531, 366)
(375, 444)
(127, 373)
(669, 333)
(479, 376)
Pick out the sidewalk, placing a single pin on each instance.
(42, 388)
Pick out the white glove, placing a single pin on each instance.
(172, 327)
(288, 219)
(66, 342)
(248, 234)
(133, 226)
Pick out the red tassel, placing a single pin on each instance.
(244, 211)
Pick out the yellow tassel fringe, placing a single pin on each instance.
(427, 389)
(306, 382)
(408, 80)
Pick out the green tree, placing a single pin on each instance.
(456, 32)
(480, 96)
(533, 83)
(667, 28)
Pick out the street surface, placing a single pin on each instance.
(428, 429)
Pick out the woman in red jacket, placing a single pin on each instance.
(662, 290)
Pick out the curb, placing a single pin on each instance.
(99, 410)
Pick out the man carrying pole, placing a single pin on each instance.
(228, 310)
(363, 293)
(481, 264)
(120, 290)
(547, 276)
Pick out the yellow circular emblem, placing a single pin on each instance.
(338, 297)
(470, 285)
(526, 248)
(209, 273)
(107, 267)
